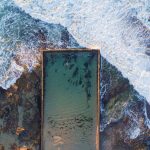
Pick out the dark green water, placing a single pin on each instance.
(70, 100)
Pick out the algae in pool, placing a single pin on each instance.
(70, 100)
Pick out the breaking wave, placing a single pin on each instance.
(119, 28)
(21, 39)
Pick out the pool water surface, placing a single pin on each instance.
(70, 83)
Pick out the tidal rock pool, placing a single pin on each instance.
(70, 100)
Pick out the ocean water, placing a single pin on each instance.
(70, 100)
(21, 39)
(119, 28)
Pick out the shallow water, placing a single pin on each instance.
(70, 100)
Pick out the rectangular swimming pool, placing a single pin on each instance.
(70, 100)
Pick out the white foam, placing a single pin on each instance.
(21, 41)
(134, 133)
(109, 25)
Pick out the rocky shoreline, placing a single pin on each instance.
(124, 113)
(24, 95)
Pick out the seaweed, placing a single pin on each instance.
(75, 73)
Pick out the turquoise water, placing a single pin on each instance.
(70, 100)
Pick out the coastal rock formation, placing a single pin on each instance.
(125, 115)
(20, 108)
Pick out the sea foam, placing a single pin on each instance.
(119, 28)
(21, 39)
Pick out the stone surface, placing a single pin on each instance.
(1, 147)
(20, 107)
(125, 115)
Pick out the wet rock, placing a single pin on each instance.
(1, 147)
(125, 123)
(24, 95)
